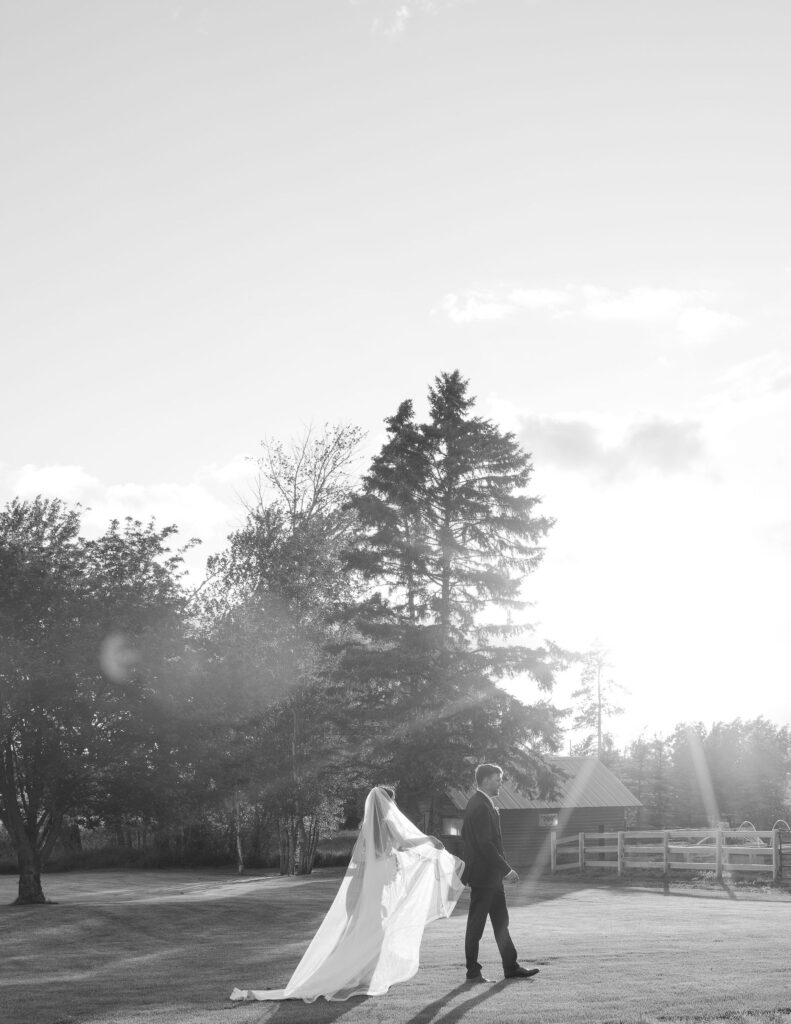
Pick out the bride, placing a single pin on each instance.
(397, 881)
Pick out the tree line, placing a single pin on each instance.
(352, 631)
(731, 772)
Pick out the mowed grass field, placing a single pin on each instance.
(168, 946)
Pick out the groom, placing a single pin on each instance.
(485, 870)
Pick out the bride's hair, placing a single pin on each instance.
(389, 790)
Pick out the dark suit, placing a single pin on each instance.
(485, 867)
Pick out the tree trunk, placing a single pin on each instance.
(28, 857)
(410, 574)
(287, 829)
(309, 838)
(282, 842)
(300, 859)
(311, 844)
(446, 557)
(237, 828)
(74, 837)
(29, 864)
(432, 816)
(255, 839)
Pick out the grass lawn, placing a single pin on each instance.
(124, 947)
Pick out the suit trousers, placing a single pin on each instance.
(488, 903)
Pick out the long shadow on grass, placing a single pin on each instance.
(430, 1013)
(322, 1012)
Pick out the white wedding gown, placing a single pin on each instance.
(397, 881)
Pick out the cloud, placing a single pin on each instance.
(756, 378)
(240, 470)
(71, 483)
(664, 445)
(538, 298)
(660, 445)
(570, 444)
(394, 23)
(777, 535)
(464, 309)
(700, 324)
(693, 315)
(208, 506)
(499, 302)
(638, 305)
(395, 16)
(690, 313)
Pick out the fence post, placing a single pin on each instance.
(666, 853)
(718, 854)
(620, 853)
(582, 851)
(553, 851)
(775, 854)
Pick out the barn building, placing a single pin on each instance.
(588, 799)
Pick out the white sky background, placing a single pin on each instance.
(226, 220)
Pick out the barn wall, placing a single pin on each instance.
(527, 845)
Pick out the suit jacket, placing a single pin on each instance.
(485, 865)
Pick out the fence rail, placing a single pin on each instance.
(718, 850)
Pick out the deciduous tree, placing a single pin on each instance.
(91, 632)
(272, 609)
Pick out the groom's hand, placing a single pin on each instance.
(511, 876)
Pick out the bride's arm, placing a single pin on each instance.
(393, 832)
(408, 842)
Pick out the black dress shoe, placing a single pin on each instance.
(478, 979)
(522, 972)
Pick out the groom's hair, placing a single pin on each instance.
(483, 771)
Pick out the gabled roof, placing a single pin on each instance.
(588, 783)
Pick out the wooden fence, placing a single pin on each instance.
(718, 850)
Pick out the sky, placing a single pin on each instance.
(229, 220)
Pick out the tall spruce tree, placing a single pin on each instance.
(448, 532)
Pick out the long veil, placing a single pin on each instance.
(396, 883)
